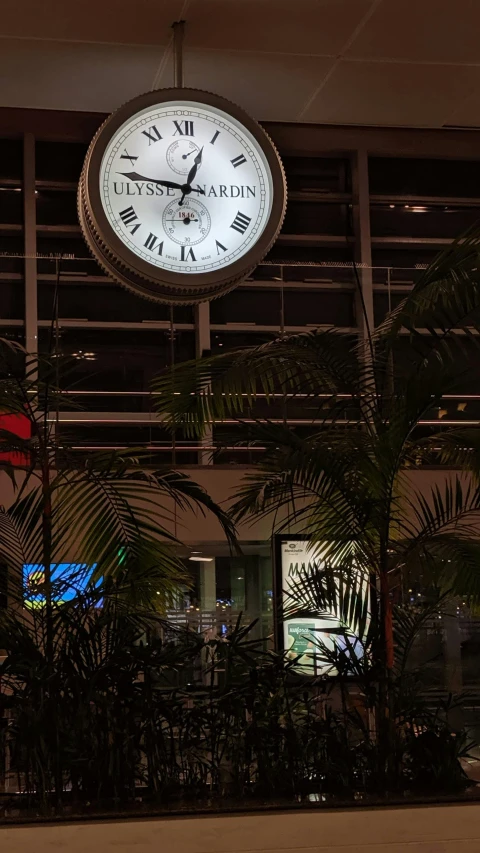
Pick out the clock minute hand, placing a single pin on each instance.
(134, 176)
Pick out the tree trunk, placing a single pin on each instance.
(385, 718)
(49, 626)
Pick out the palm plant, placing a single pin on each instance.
(105, 513)
(350, 484)
(104, 507)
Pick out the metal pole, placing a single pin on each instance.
(178, 33)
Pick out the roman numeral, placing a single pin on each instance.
(187, 129)
(237, 161)
(128, 156)
(152, 133)
(214, 137)
(220, 247)
(241, 223)
(189, 256)
(128, 217)
(152, 245)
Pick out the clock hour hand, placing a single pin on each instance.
(193, 171)
(195, 167)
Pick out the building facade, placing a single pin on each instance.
(368, 209)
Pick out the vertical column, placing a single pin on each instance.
(452, 651)
(30, 244)
(203, 345)
(265, 568)
(363, 246)
(208, 615)
(253, 594)
(237, 583)
(208, 589)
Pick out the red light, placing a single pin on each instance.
(20, 426)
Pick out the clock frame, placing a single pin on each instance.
(127, 268)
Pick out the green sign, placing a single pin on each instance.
(302, 638)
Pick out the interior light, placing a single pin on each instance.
(391, 206)
(201, 559)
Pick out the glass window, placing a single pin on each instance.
(415, 176)
(11, 254)
(11, 205)
(405, 262)
(417, 220)
(306, 217)
(318, 307)
(97, 436)
(330, 174)
(75, 268)
(314, 254)
(12, 299)
(222, 341)
(11, 159)
(105, 303)
(59, 161)
(383, 303)
(56, 207)
(246, 305)
(307, 307)
(13, 361)
(111, 360)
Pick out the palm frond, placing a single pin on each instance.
(446, 297)
(198, 392)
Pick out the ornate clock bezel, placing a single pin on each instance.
(122, 263)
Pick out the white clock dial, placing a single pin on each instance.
(186, 187)
(180, 154)
(188, 224)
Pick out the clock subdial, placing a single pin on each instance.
(187, 225)
(180, 155)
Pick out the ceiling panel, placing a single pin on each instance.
(406, 62)
(319, 27)
(64, 76)
(120, 21)
(269, 86)
(421, 31)
(392, 94)
(466, 112)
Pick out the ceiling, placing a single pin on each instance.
(374, 62)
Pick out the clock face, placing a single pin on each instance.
(181, 195)
(186, 187)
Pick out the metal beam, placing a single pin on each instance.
(363, 246)
(203, 347)
(30, 244)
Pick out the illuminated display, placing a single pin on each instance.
(311, 641)
(68, 581)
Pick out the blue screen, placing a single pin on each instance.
(68, 581)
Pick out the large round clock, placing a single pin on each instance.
(181, 195)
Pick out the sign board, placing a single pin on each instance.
(315, 640)
(68, 581)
